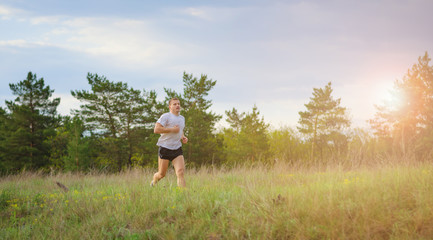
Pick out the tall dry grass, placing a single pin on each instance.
(334, 201)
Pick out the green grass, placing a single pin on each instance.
(245, 203)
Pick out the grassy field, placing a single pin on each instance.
(244, 203)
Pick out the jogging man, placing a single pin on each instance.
(170, 125)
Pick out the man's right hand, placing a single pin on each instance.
(175, 129)
(159, 129)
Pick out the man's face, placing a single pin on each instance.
(174, 106)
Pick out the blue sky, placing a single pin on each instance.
(268, 53)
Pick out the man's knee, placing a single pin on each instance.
(180, 171)
(161, 174)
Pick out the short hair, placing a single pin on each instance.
(173, 99)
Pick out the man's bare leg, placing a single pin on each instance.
(162, 170)
(179, 167)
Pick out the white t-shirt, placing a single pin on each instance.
(171, 140)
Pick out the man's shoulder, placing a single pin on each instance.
(172, 116)
(164, 115)
(182, 118)
(178, 118)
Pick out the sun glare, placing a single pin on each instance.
(393, 100)
(387, 96)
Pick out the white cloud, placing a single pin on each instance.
(14, 43)
(21, 43)
(45, 20)
(8, 11)
(270, 53)
(67, 103)
(127, 42)
(123, 42)
(197, 12)
(279, 112)
(207, 14)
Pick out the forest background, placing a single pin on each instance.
(113, 128)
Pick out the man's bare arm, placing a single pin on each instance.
(160, 129)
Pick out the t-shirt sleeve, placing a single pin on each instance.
(163, 120)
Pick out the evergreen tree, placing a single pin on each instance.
(203, 146)
(58, 144)
(3, 133)
(235, 119)
(408, 120)
(324, 122)
(32, 120)
(70, 149)
(116, 112)
(101, 105)
(246, 140)
(145, 152)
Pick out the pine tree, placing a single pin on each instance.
(32, 120)
(203, 146)
(324, 121)
(116, 112)
(247, 140)
(3, 134)
(78, 148)
(408, 121)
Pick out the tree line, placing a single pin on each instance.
(113, 128)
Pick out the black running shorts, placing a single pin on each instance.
(168, 154)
